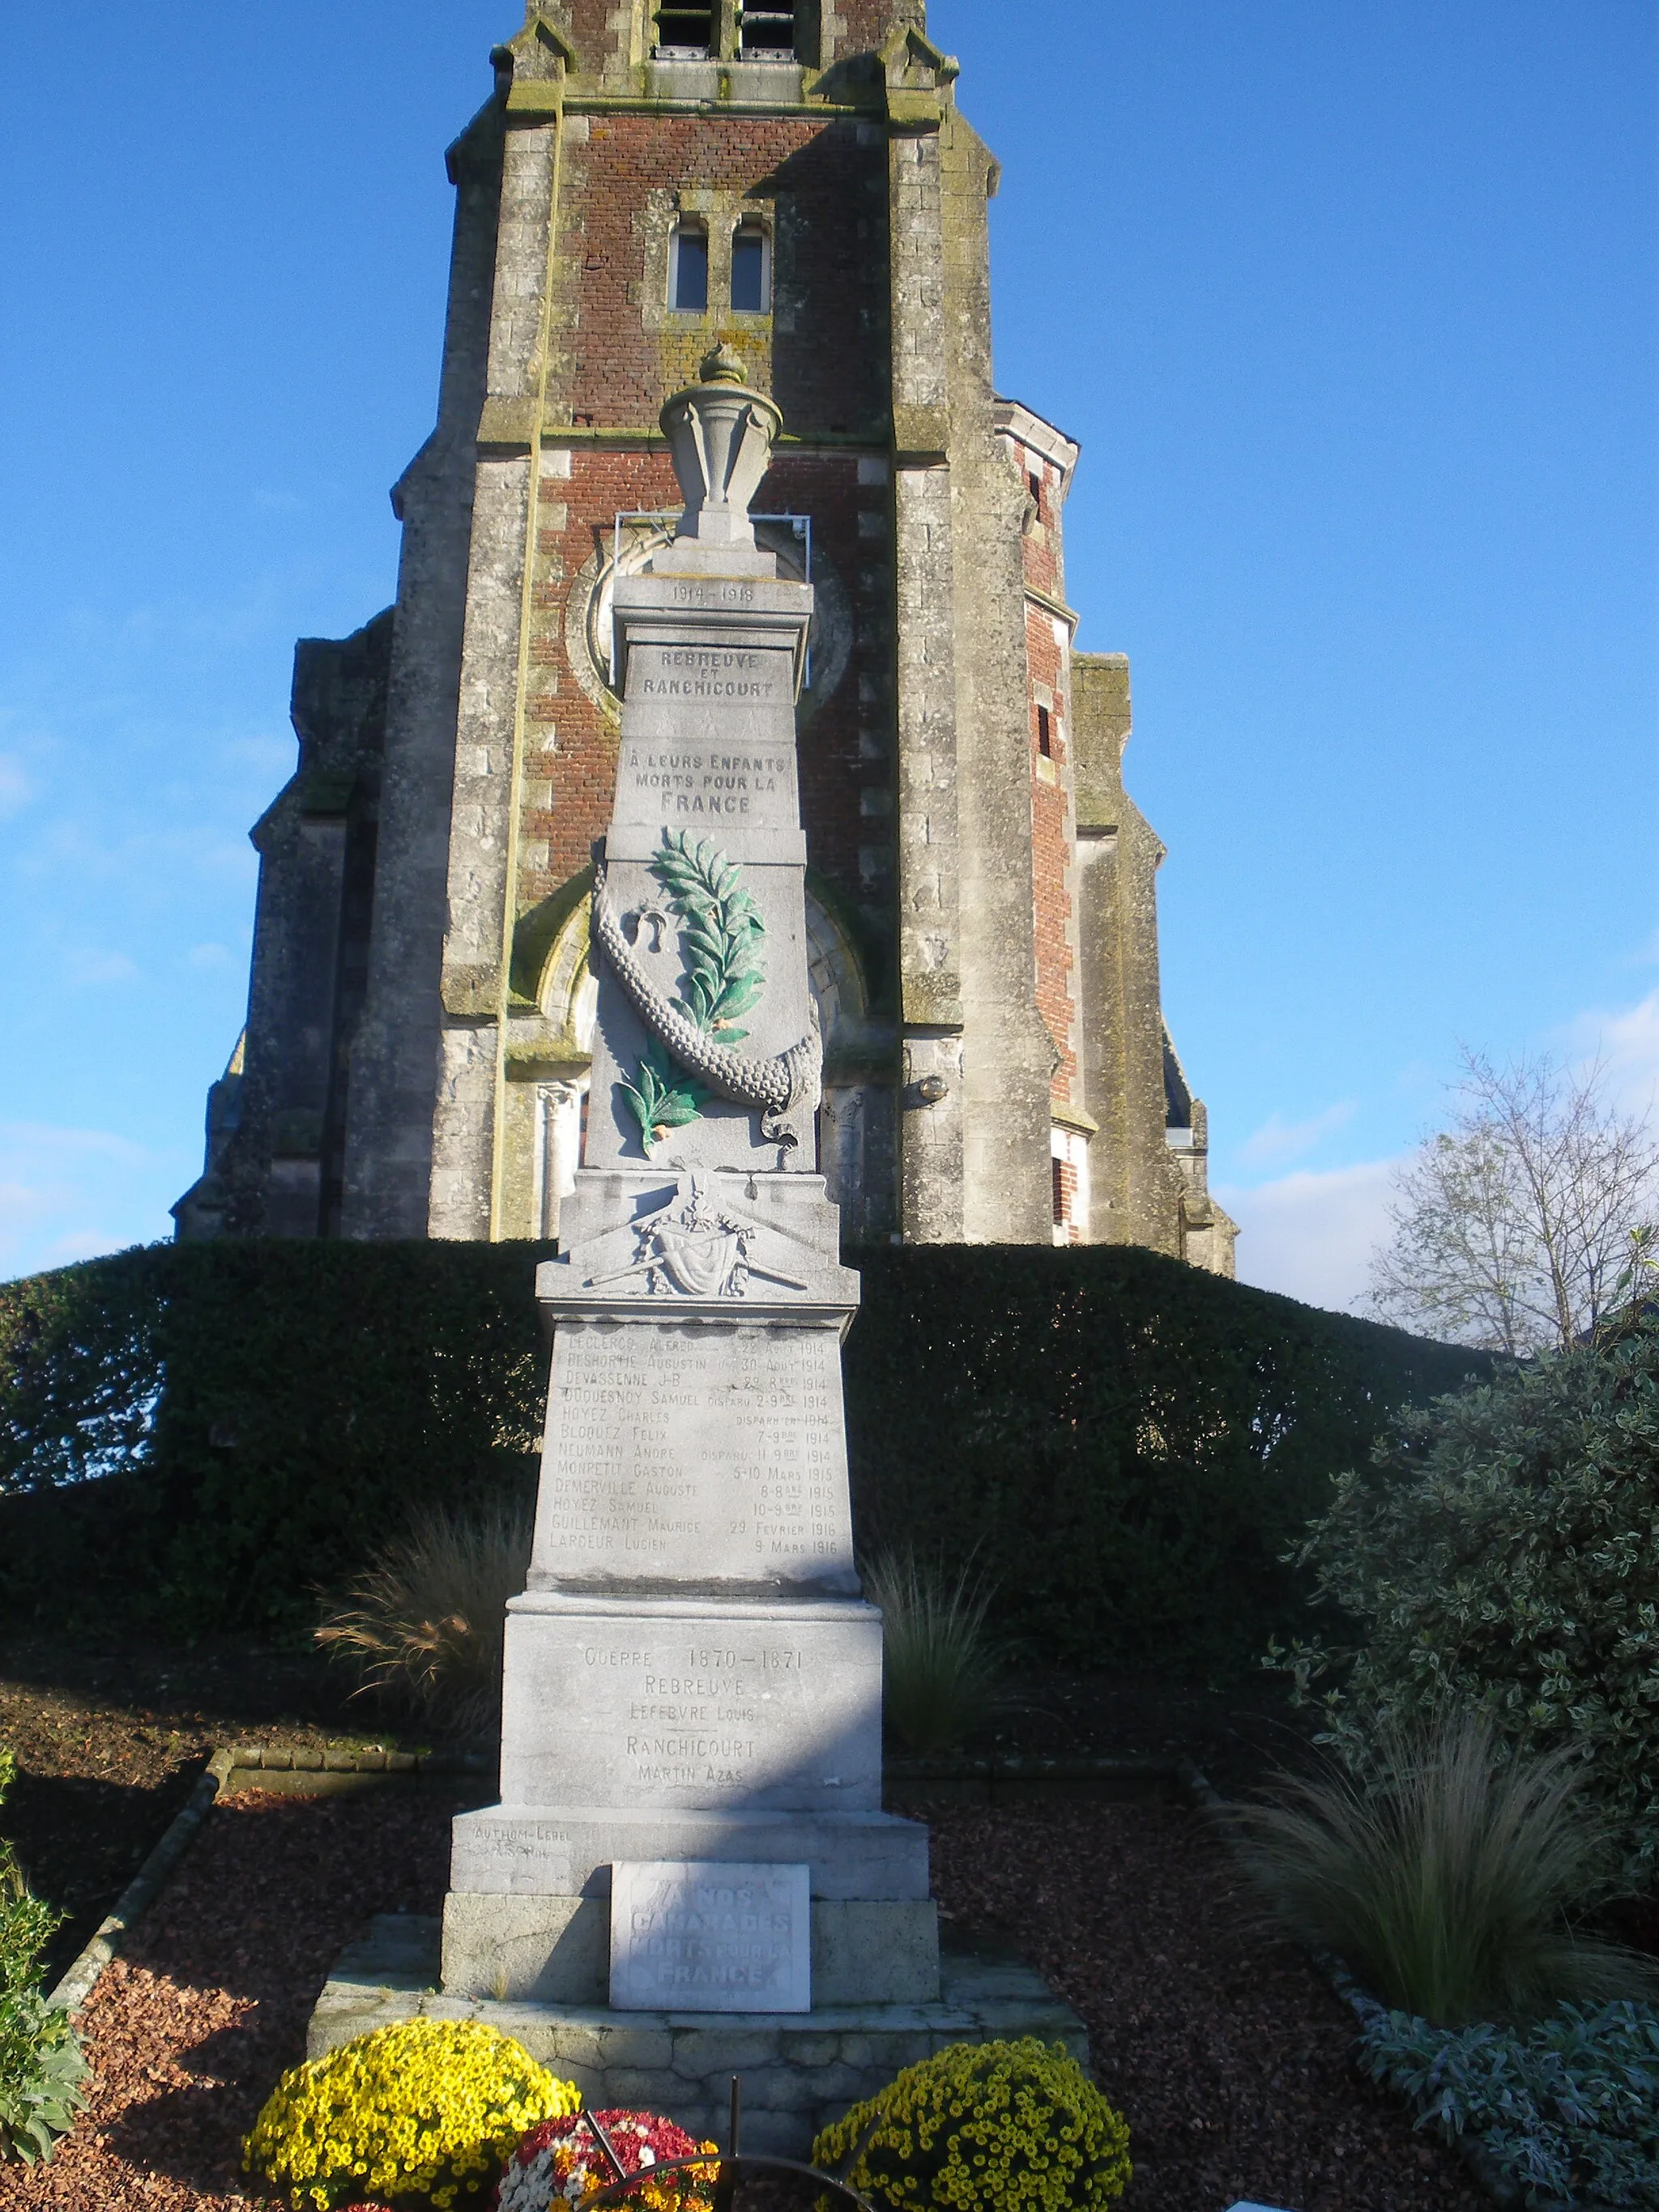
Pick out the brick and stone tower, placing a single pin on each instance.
(647, 182)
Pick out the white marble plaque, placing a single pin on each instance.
(704, 1936)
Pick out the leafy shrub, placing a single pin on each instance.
(1569, 2110)
(938, 1666)
(41, 2064)
(560, 2163)
(293, 1398)
(987, 2127)
(425, 1626)
(426, 2108)
(1501, 1556)
(42, 2068)
(1450, 1883)
(193, 1438)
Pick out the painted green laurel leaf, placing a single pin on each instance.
(723, 927)
(660, 1098)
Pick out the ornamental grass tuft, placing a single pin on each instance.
(940, 1666)
(426, 2110)
(985, 2127)
(1453, 1884)
(424, 1626)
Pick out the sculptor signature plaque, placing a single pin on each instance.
(708, 1935)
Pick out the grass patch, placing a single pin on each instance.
(1454, 1885)
(423, 1627)
(940, 1667)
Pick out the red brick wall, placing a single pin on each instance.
(822, 353)
(834, 774)
(1042, 545)
(1052, 827)
(583, 765)
(868, 22)
(835, 768)
(1063, 1182)
(1050, 848)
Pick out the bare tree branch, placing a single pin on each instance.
(1514, 1228)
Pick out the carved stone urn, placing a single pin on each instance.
(721, 435)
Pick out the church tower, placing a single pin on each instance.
(648, 182)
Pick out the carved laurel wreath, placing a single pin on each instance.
(723, 928)
(690, 1053)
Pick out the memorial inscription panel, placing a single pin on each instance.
(692, 1452)
(707, 1937)
(742, 1709)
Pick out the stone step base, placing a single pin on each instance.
(567, 1850)
(556, 1950)
(800, 2070)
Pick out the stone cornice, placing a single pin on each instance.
(1057, 608)
(510, 425)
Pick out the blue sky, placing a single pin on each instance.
(1353, 310)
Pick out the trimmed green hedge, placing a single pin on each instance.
(193, 1438)
(1130, 1443)
(255, 1415)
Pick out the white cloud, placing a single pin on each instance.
(16, 788)
(69, 1194)
(1627, 1044)
(211, 956)
(90, 970)
(1277, 1141)
(1310, 1234)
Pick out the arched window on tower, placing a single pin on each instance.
(684, 30)
(751, 269)
(688, 268)
(769, 31)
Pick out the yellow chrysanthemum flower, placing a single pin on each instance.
(988, 2127)
(425, 2107)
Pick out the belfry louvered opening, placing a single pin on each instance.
(685, 30)
(768, 31)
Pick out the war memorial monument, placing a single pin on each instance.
(691, 1819)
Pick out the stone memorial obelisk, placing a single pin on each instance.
(691, 1816)
(689, 1874)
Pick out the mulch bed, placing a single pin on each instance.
(188, 2032)
(110, 1739)
(1225, 2050)
(109, 1742)
(1226, 2053)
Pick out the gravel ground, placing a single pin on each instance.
(1227, 2055)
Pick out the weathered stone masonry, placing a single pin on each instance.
(981, 894)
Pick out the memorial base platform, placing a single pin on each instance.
(800, 2070)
